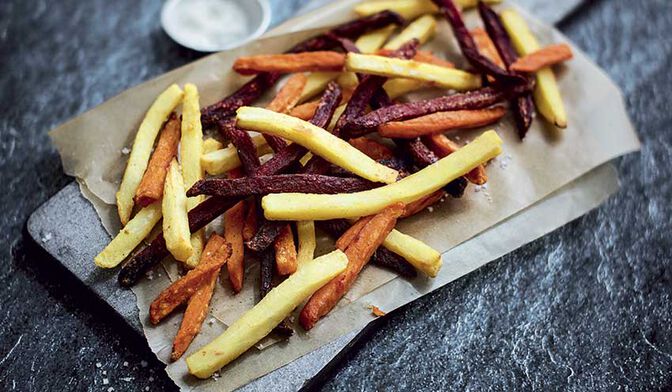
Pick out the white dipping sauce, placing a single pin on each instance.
(209, 23)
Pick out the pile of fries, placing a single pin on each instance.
(341, 149)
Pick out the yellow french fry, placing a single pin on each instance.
(149, 128)
(307, 242)
(392, 67)
(374, 40)
(420, 255)
(129, 237)
(421, 29)
(408, 9)
(266, 314)
(175, 219)
(191, 150)
(546, 93)
(224, 160)
(397, 87)
(317, 140)
(316, 83)
(301, 206)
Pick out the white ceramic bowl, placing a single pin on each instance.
(215, 25)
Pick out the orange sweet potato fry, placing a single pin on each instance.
(233, 233)
(359, 252)
(306, 111)
(441, 122)
(251, 223)
(197, 308)
(289, 63)
(544, 57)
(217, 251)
(346, 239)
(151, 186)
(372, 148)
(420, 204)
(442, 146)
(486, 46)
(285, 252)
(289, 94)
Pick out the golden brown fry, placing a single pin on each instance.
(442, 146)
(289, 94)
(372, 148)
(285, 252)
(419, 205)
(359, 252)
(290, 63)
(151, 186)
(441, 122)
(544, 57)
(215, 254)
(486, 47)
(251, 223)
(346, 239)
(199, 302)
(175, 219)
(376, 311)
(233, 233)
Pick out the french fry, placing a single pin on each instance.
(441, 122)
(285, 252)
(546, 92)
(442, 146)
(544, 57)
(214, 257)
(233, 234)
(174, 209)
(305, 231)
(372, 148)
(224, 160)
(199, 302)
(157, 114)
(290, 63)
(392, 67)
(151, 186)
(317, 140)
(265, 315)
(408, 9)
(289, 94)
(129, 237)
(211, 144)
(359, 252)
(297, 206)
(316, 83)
(374, 40)
(421, 29)
(191, 150)
(486, 46)
(421, 256)
(348, 80)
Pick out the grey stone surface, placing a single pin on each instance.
(586, 308)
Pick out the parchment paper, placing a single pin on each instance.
(526, 173)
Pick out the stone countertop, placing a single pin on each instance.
(584, 308)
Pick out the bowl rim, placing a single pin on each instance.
(169, 5)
